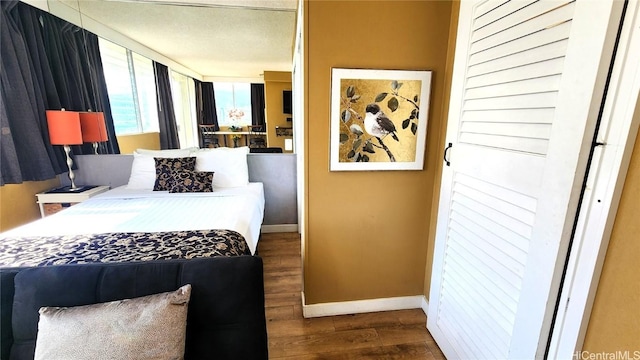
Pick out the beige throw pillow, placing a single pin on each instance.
(149, 327)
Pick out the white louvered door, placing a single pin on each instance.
(527, 84)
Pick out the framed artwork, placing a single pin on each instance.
(378, 119)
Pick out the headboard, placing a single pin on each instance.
(276, 171)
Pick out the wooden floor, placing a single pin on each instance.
(384, 335)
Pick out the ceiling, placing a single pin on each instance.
(214, 38)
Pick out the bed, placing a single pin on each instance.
(195, 225)
(137, 222)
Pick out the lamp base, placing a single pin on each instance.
(72, 176)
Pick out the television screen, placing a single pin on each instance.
(287, 102)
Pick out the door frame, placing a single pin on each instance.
(605, 182)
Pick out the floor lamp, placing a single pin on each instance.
(64, 129)
(94, 129)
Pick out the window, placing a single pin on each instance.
(233, 103)
(131, 88)
(144, 80)
(183, 94)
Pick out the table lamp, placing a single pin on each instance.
(64, 129)
(94, 129)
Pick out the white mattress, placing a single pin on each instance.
(125, 210)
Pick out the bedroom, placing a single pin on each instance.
(246, 220)
(369, 275)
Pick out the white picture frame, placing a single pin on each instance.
(361, 143)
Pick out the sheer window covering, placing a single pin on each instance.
(131, 83)
(183, 90)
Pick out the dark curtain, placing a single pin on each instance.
(26, 154)
(77, 69)
(166, 116)
(102, 98)
(257, 107)
(206, 104)
(46, 64)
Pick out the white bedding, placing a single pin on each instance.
(127, 210)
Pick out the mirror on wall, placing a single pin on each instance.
(209, 40)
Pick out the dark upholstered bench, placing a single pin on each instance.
(226, 318)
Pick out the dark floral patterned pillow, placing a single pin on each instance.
(192, 181)
(165, 167)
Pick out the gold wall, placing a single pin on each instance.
(615, 318)
(18, 202)
(367, 232)
(274, 83)
(128, 143)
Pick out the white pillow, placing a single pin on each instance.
(148, 327)
(143, 168)
(228, 164)
(169, 153)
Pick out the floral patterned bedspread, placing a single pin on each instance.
(119, 247)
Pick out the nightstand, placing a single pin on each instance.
(52, 201)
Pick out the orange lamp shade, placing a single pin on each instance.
(93, 127)
(64, 127)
